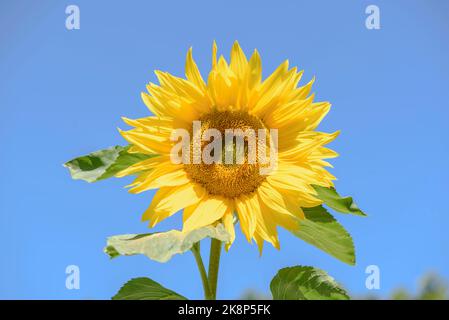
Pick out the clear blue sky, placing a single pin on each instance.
(62, 94)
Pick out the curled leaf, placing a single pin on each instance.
(162, 246)
(341, 204)
(321, 230)
(103, 164)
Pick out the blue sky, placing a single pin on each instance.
(62, 94)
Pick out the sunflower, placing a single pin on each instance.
(233, 97)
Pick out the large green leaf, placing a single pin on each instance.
(324, 232)
(305, 283)
(341, 204)
(145, 289)
(163, 245)
(103, 164)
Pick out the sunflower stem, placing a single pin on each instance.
(214, 263)
(199, 262)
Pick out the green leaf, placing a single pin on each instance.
(162, 246)
(145, 289)
(305, 283)
(103, 164)
(111, 252)
(321, 230)
(341, 204)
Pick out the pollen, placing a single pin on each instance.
(228, 179)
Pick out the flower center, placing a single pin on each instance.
(229, 179)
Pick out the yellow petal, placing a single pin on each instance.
(152, 125)
(165, 101)
(323, 153)
(295, 200)
(166, 175)
(144, 165)
(247, 216)
(149, 142)
(169, 200)
(239, 62)
(308, 120)
(136, 149)
(188, 96)
(269, 89)
(278, 207)
(228, 222)
(308, 143)
(253, 220)
(176, 88)
(255, 71)
(139, 179)
(214, 54)
(192, 72)
(206, 212)
(259, 242)
(302, 92)
(319, 111)
(285, 114)
(266, 225)
(293, 178)
(221, 87)
(154, 106)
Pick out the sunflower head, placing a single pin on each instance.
(233, 105)
(228, 178)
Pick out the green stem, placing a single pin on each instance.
(214, 263)
(202, 270)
